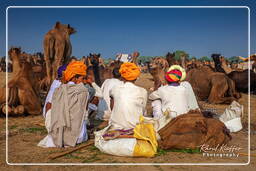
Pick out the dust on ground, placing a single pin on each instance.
(26, 131)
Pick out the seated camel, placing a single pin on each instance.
(215, 87)
(22, 96)
(240, 78)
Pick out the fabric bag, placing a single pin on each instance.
(143, 144)
(232, 117)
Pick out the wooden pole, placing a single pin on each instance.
(57, 155)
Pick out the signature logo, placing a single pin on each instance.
(220, 150)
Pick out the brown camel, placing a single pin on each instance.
(157, 68)
(100, 72)
(212, 86)
(57, 48)
(240, 78)
(22, 97)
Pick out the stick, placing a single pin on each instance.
(54, 156)
(246, 154)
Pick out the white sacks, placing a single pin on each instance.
(232, 117)
(118, 147)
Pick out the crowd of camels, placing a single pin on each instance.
(214, 82)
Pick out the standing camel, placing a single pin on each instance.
(57, 48)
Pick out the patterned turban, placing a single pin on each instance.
(175, 74)
(61, 69)
(129, 71)
(74, 68)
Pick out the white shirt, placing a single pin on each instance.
(98, 90)
(55, 84)
(107, 86)
(176, 99)
(129, 104)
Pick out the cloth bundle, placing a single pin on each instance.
(143, 144)
(232, 117)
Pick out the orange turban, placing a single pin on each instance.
(74, 68)
(129, 71)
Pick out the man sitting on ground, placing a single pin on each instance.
(128, 100)
(176, 98)
(69, 114)
(106, 87)
(48, 102)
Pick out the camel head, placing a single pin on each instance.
(64, 27)
(94, 58)
(14, 52)
(170, 58)
(216, 58)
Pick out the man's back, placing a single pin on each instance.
(129, 103)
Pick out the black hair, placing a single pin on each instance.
(116, 73)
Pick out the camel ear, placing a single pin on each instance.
(57, 25)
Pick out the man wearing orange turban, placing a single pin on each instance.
(129, 100)
(76, 68)
(68, 113)
(129, 71)
(176, 98)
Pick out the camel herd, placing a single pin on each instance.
(214, 82)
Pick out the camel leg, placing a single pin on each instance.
(5, 108)
(48, 68)
(58, 61)
(19, 110)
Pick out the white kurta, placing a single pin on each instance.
(129, 104)
(55, 84)
(106, 87)
(98, 92)
(176, 100)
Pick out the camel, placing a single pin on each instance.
(99, 71)
(22, 96)
(157, 68)
(57, 48)
(207, 84)
(182, 61)
(240, 78)
(212, 86)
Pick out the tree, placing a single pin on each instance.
(234, 59)
(204, 58)
(145, 59)
(179, 54)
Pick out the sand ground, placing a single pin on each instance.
(26, 131)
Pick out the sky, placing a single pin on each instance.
(151, 31)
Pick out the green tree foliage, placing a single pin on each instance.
(204, 58)
(144, 59)
(234, 59)
(179, 53)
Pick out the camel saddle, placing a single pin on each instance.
(193, 130)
